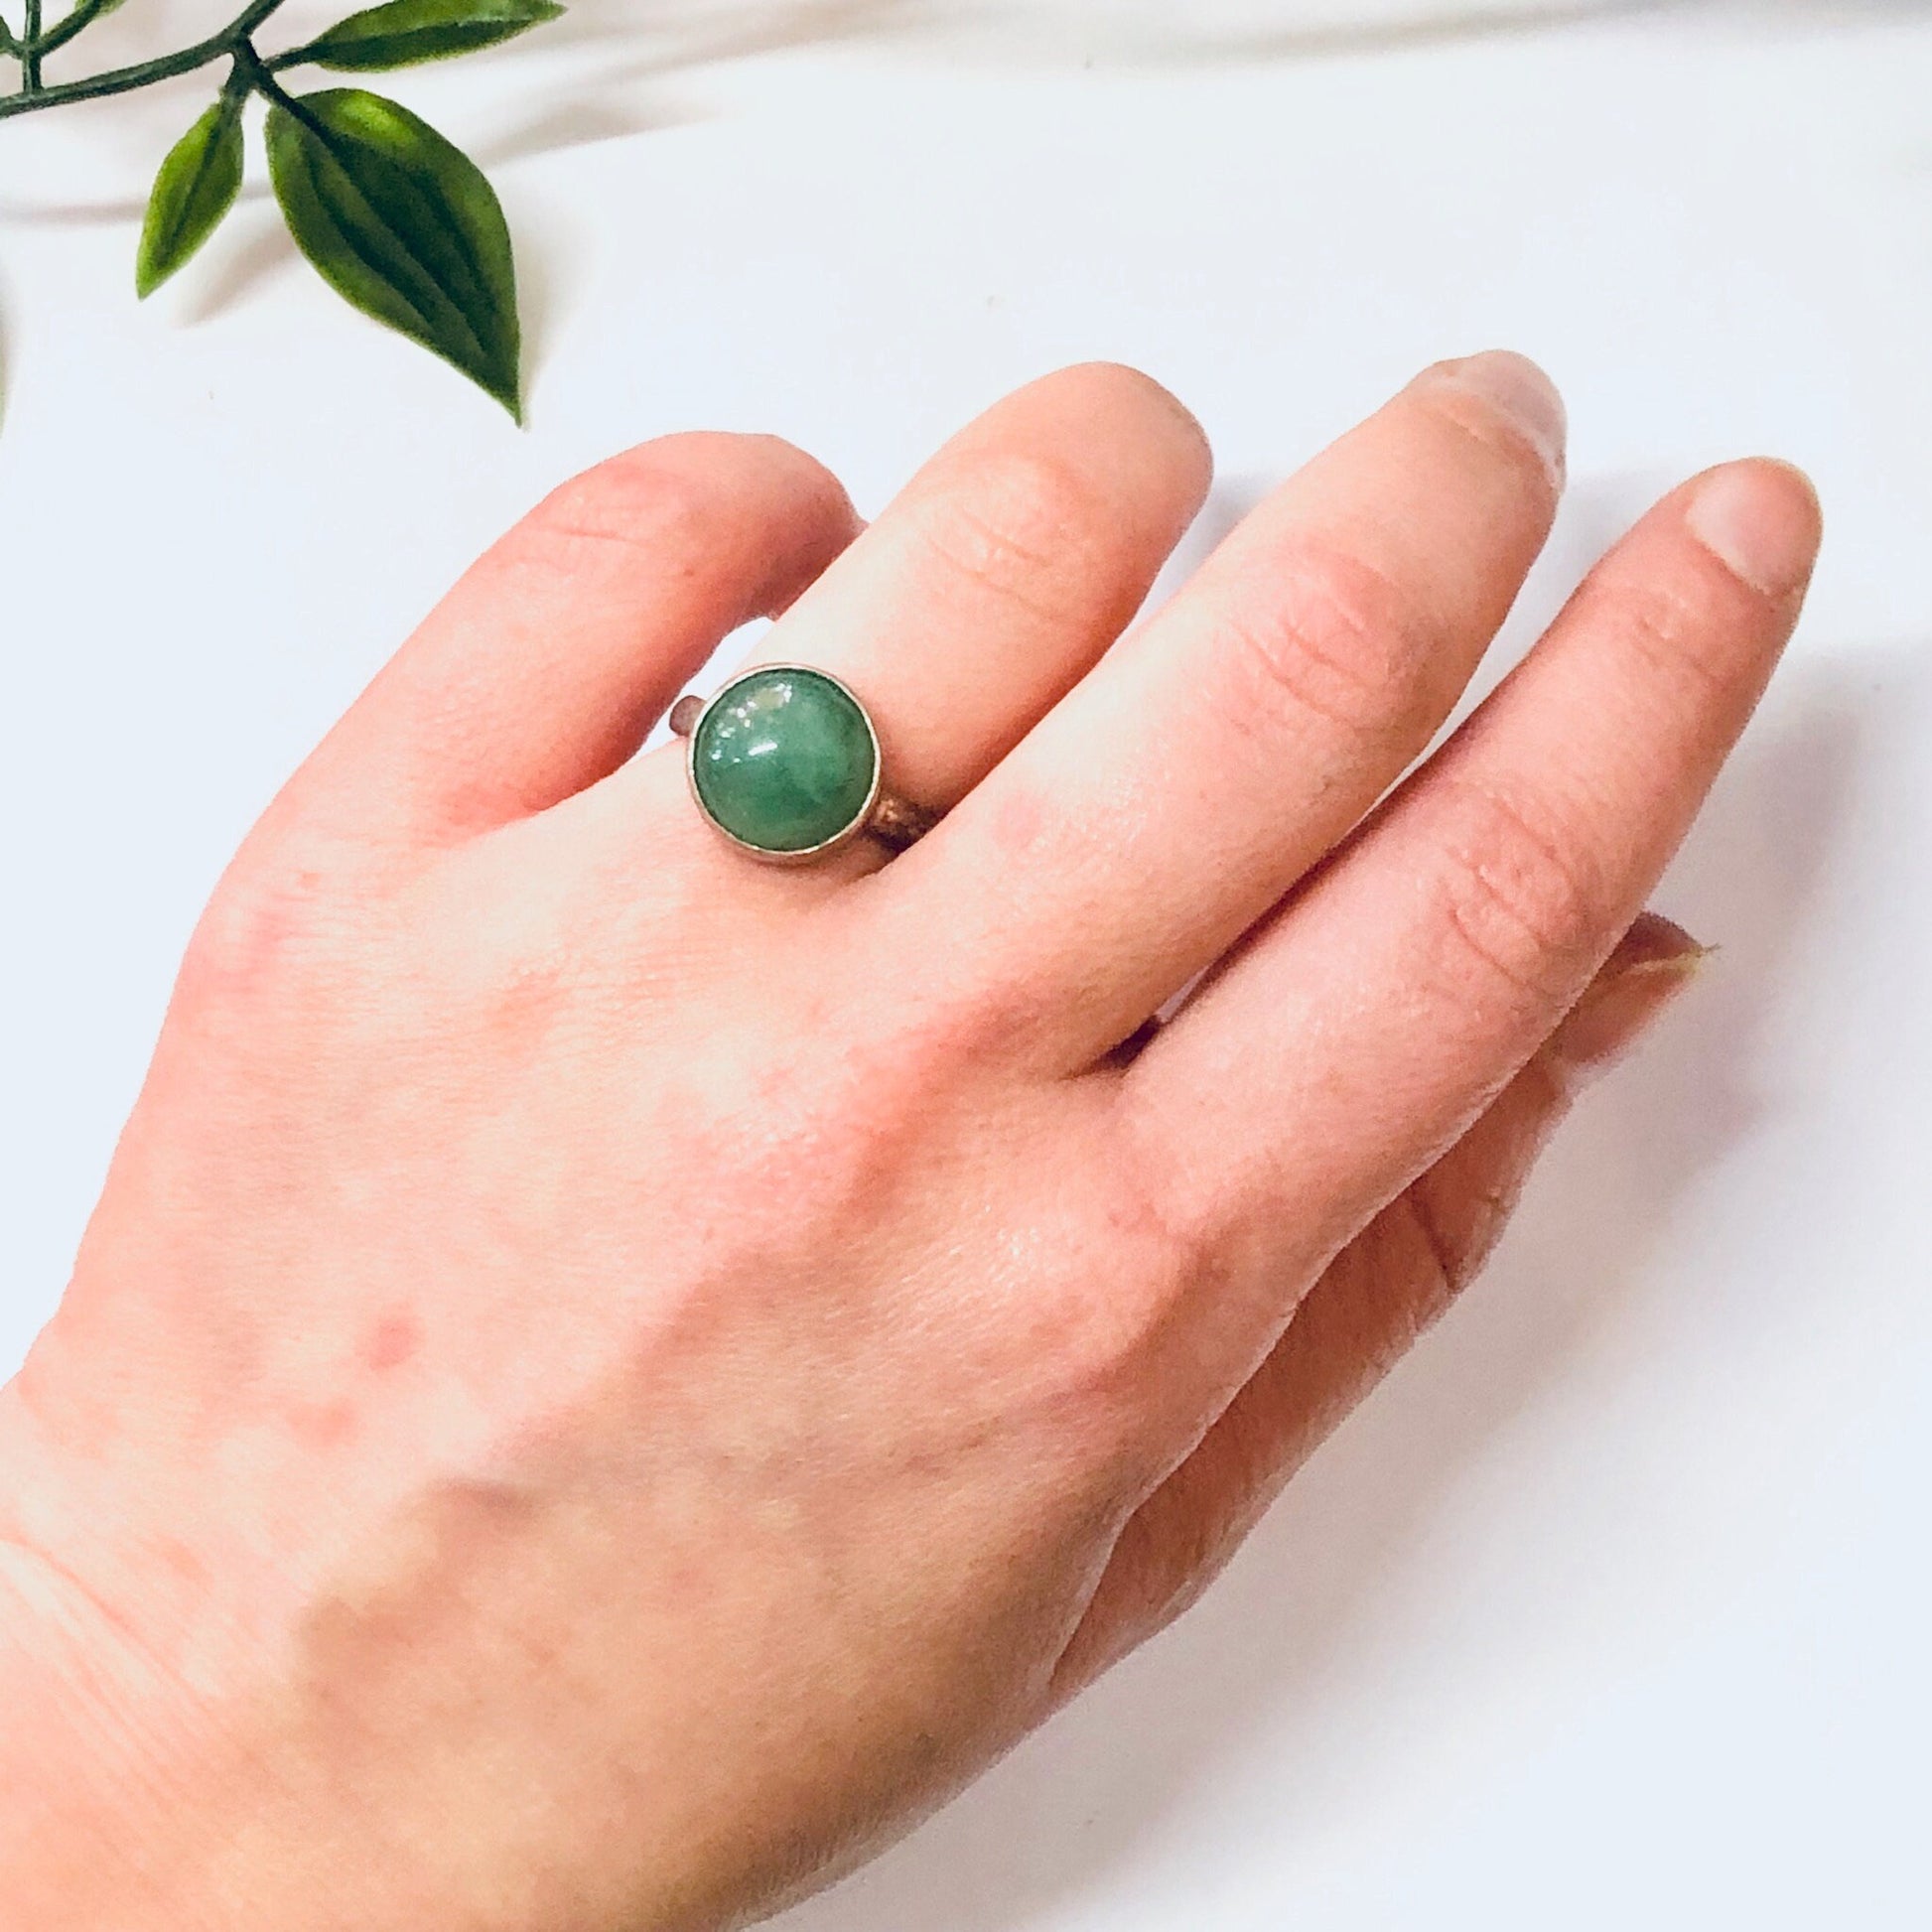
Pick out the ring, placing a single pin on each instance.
(785, 762)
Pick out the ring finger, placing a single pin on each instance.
(993, 581)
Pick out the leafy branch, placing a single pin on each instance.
(398, 222)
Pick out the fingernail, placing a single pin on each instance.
(1653, 963)
(1759, 519)
(1514, 386)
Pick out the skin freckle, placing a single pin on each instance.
(395, 1340)
(528, 1007)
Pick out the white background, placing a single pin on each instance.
(1612, 1609)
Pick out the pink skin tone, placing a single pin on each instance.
(607, 1379)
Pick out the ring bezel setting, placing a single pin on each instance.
(690, 718)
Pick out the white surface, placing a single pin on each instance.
(1610, 1610)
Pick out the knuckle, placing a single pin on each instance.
(262, 932)
(949, 1020)
(1339, 644)
(785, 1123)
(976, 1025)
(675, 500)
(1671, 635)
(650, 499)
(1158, 1246)
(1025, 526)
(1451, 1259)
(1520, 909)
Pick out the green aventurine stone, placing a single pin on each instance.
(784, 761)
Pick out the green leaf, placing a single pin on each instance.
(407, 33)
(402, 225)
(196, 186)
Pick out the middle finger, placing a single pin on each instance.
(1214, 756)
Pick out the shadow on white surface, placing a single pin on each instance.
(245, 263)
(1284, 1656)
(592, 75)
(603, 73)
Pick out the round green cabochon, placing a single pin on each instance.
(784, 761)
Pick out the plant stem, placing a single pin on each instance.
(78, 21)
(121, 80)
(254, 75)
(29, 50)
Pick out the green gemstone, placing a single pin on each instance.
(784, 761)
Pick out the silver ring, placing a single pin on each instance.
(785, 763)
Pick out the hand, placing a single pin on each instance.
(608, 1378)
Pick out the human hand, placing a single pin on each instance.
(606, 1378)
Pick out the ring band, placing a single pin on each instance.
(785, 763)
